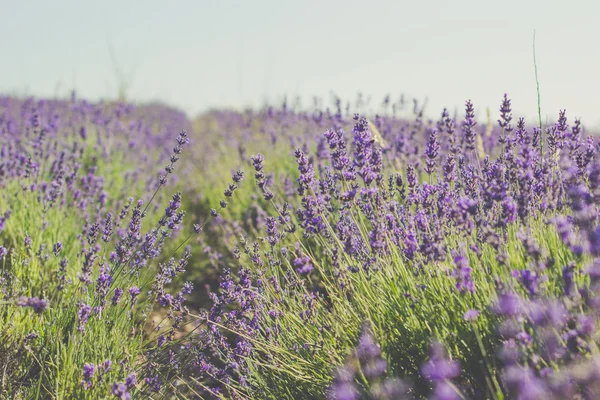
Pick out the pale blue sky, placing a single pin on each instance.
(198, 54)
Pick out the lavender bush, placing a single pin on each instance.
(377, 256)
(81, 260)
(452, 231)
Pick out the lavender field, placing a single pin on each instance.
(287, 253)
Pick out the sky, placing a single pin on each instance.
(203, 54)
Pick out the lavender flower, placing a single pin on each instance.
(28, 241)
(471, 315)
(83, 314)
(105, 367)
(438, 368)
(432, 151)
(130, 381)
(134, 292)
(505, 117)
(344, 387)
(373, 367)
(38, 305)
(56, 248)
(462, 274)
(508, 304)
(88, 375)
(117, 296)
(119, 390)
(469, 125)
(303, 265)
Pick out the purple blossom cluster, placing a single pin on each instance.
(477, 210)
(82, 254)
(471, 251)
(366, 360)
(38, 305)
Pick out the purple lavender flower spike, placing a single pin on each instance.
(88, 374)
(471, 315)
(38, 305)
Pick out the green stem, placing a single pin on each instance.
(537, 82)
